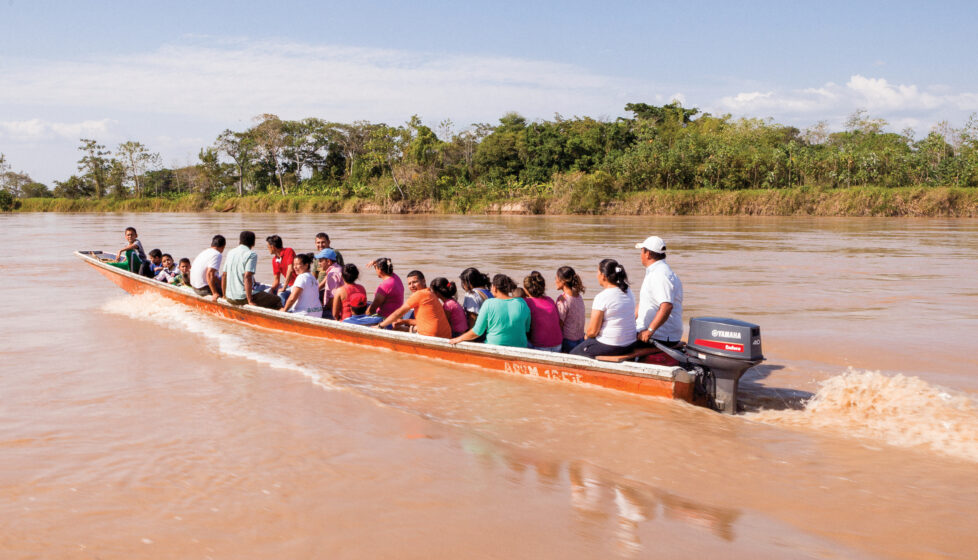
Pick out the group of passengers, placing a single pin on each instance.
(495, 311)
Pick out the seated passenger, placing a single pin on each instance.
(155, 263)
(167, 271)
(330, 278)
(415, 282)
(182, 278)
(545, 333)
(570, 307)
(456, 315)
(358, 302)
(429, 315)
(504, 320)
(342, 308)
(304, 296)
(282, 258)
(475, 288)
(390, 293)
(205, 274)
(238, 276)
(135, 256)
(611, 330)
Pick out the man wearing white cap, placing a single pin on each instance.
(659, 315)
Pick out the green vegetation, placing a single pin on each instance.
(663, 160)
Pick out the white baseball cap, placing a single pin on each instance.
(654, 244)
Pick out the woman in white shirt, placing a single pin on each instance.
(304, 298)
(611, 330)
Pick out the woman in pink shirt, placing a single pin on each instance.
(545, 332)
(570, 307)
(446, 292)
(389, 296)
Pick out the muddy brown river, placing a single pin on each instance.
(132, 427)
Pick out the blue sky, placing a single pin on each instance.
(175, 74)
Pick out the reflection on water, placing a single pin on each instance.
(612, 503)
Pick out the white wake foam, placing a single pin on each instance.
(902, 411)
(164, 312)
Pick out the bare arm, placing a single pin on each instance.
(379, 298)
(213, 284)
(467, 335)
(338, 305)
(394, 316)
(249, 282)
(594, 325)
(660, 318)
(293, 297)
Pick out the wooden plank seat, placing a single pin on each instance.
(633, 355)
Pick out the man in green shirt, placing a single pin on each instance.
(238, 278)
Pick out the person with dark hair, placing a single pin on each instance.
(304, 296)
(136, 260)
(238, 278)
(446, 292)
(545, 333)
(149, 269)
(660, 302)
(183, 276)
(570, 307)
(475, 288)
(167, 271)
(323, 242)
(611, 330)
(504, 320)
(359, 305)
(330, 279)
(282, 258)
(133, 247)
(342, 302)
(429, 317)
(415, 281)
(390, 293)
(205, 273)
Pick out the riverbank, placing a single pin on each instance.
(854, 201)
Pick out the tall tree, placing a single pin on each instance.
(95, 164)
(353, 139)
(240, 147)
(137, 160)
(270, 139)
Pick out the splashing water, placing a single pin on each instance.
(902, 411)
(164, 312)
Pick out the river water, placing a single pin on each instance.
(133, 427)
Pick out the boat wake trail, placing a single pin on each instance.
(161, 311)
(902, 411)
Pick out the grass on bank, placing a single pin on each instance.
(801, 201)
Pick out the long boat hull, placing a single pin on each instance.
(639, 378)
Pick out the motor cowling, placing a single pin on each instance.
(719, 351)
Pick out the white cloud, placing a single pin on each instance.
(240, 80)
(36, 129)
(898, 103)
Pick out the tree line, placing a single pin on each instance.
(586, 160)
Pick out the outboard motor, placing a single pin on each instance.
(718, 352)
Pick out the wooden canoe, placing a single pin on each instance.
(632, 377)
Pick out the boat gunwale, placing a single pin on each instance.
(673, 374)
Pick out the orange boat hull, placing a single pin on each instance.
(640, 379)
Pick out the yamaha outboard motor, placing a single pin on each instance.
(719, 351)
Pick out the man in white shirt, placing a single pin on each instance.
(205, 272)
(659, 314)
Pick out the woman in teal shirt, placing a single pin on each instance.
(503, 319)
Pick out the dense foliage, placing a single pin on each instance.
(581, 161)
